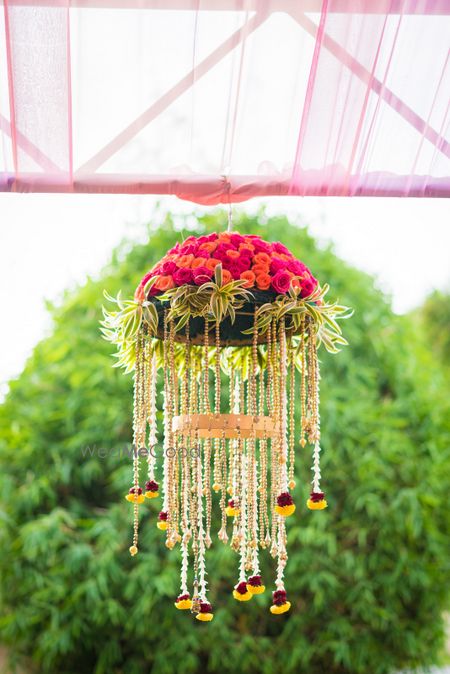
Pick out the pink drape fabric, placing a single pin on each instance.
(220, 101)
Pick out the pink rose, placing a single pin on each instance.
(201, 275)
(280, 248)
(296, 267)
(281, 282)
(168, 267)
(277, 265)
(175, 250)
(237, 239)
(183, 276)
(244, 262)
(308, 285)
(261, 246)
(189, 249)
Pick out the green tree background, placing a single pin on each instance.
(368, 578)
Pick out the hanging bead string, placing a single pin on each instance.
(153, 431)
(303, 382)
(139, 421)
(201, 533)
(166, 404)
(263, 516)
(283, 410)
(231, 444)
(206, 409)
(193, 502)
(315, 430)
(172, 529)
(220, 447)
(275, 443)
(185, 472)
(235, 401)
(243, 519)
(251, 443)
(282, 554)
(291, 483)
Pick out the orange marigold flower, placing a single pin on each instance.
(260, 269)
(263, 281)
(233, 254)
(295, 283)
(185, 260)
(212, 263)
(165, 283)
(198, 262)
(249, 278)
(226, 276)
(262, 258)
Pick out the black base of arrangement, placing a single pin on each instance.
(230, 333)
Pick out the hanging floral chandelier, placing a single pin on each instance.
(225, 317)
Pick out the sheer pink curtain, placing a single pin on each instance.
(223, 100)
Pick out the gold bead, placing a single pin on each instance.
(217, 487)
(291, 484)
(133, 550)
(303, 442)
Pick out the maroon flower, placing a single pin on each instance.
(205, 607)
(281, 282)
(285, 499)
(135, 490)
(279, 597)
(151, 485)
(182, 597)
(163, 516)
(201, 275)
(255, 581)
(241, 587)
(183, 276)
(231, 503)
(317, 496)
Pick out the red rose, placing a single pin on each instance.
(183, 276)
(261, 246)
(276, 265)
(201, 275)
(281, 282)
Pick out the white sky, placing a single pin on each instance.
(51, 242)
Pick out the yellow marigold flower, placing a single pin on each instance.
(285, 511)
(317, 505)
(277, 610)
(184, 604)
(135, 498)
(256, 589)
(205, 617)
(151, 494)
(161, 525)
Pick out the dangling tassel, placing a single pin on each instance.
(280, 604)
(240, 591)
(151, 486)
(316, 499)
(285, 504)
(184, 601)
(291, 483)
(163, 516)
(205, 613)
(135, 495)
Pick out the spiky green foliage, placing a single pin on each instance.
(367, 578)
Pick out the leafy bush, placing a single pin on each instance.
(367, 577)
